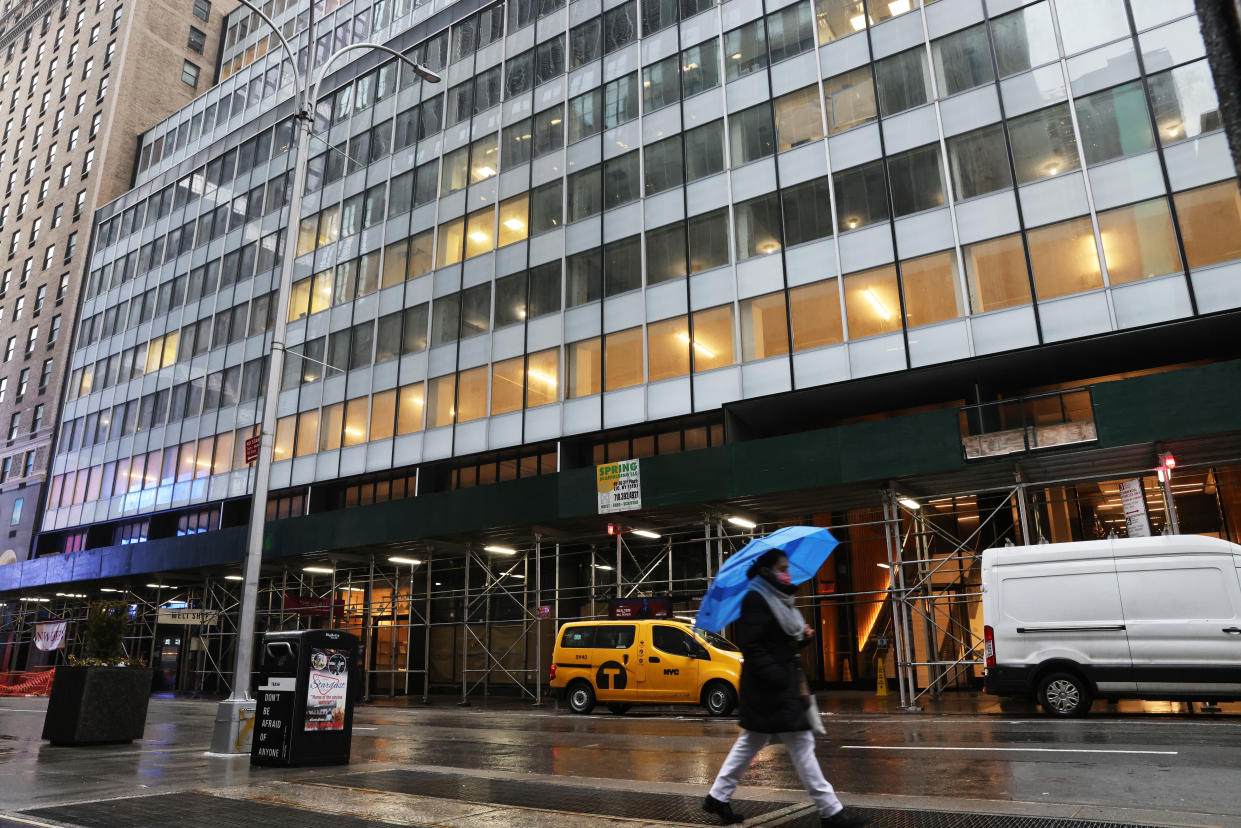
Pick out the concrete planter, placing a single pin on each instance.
(97, 705)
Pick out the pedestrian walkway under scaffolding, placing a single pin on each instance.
(477, 616)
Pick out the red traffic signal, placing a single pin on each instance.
(611, 528)
(1167, 460)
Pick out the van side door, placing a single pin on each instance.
(616, 662)
(672, 666)
(1183, 614)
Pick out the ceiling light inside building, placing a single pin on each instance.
(233, 578)
(499, 550)
(515, 224)
(645, 533)
(480, 237)
(318, 570)
(742, 522)
(879, 307)
(909, 503)
(405, 561)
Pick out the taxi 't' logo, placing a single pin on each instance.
(611, 676)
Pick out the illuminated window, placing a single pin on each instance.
(330, 425)
(585, 368)
(307, 433)
(514, 220)
(622, 359)
(507, 385)
(996, 272)
(713, 338)
(452, 238)
(932, 289)
(1139, 242)
(1064, 259)
(383, 414)
(480, 232)
(667, 345)
(542, 378)
(409, 409)
(1210, 219)
(440, 402)
(872, 304)
(284, 438)
(355, 421)
(764, 327)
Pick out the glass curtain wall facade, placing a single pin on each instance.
(605, 216)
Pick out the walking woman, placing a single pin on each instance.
(775, 696)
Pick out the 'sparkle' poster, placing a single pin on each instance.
(325, 694)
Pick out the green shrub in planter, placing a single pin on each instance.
(100, 698)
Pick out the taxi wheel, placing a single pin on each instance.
(719, 698)
(581, 697)
(619, 709)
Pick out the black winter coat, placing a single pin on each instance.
(770, 701)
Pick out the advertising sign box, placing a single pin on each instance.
(304, 707)
(619, 486)
(621, 608)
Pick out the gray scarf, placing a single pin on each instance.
(781, 606)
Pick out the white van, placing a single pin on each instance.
(1149, 618)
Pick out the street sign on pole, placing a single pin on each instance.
(252, 448)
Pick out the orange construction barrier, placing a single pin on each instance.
(27, 683)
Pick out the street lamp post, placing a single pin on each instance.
(234, 718)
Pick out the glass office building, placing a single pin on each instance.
(610, 214)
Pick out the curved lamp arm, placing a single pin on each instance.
(422, 72)
(287, 48)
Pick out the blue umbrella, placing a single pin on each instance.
(806, 547)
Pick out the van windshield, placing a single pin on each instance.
(718, 642)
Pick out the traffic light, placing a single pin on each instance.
(1167, 461)
(611, 529)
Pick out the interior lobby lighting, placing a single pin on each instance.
(742, 522)
(858, 23)
(318, 570)
(645, 533)
(499, 550)
(479, 236)
(898, 7)
(879, 307)
(515, 224)
(486, 172)
(406, 561)
(910, 503)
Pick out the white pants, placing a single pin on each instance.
(800, 745)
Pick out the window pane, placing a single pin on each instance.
(547, 207)
(664, 168)
(307, 433)
(331, 422)
(1024, 39)
(479, 232)
(585, 43)
(1184, 102)
(1114, 123)
(713, 338)
(746, 49)
(451, 239)
(790, 31)
(704, 150)
(383, 414)
(584, 282)
(962, 60)
(979, 162)
(456, 170)
(623, 359)
(421, 250)
(409, 412)
(902, 81)
(356, 421)
(757, 226)
(807, 212)
(585, 193)
(585, 115)
(445, 319)
(507, 387)
(708, 241)
(440, 402)
(284, 439)
(620, 101)
(850, 99)
(514, 214)
(1138, 241)
(542, 378)
(750, 134)
(1210, 219)
(661, 83)
(1064, 259)
(584, 368)
(861, 196)
(700, 68)
(548, 130)
(622, 266)
(545, 289)
(917, 180)
(510, 300)
(668, 349)
(620, 27)
(996, 273)
(665, 253)
(518, 143)
(932, 289)
(799, 120)
(764, 327)
(476, 310)
(815, 310)
(872, 303)
(1043, 143)
(839, 18)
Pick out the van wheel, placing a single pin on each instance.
(581, 697)
(719, 698)
(619, 709)
(1064, 694)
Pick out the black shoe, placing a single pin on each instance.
(845, 818)
(721, 809)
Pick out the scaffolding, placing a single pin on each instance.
(473, 618)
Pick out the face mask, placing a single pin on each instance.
(784, 578)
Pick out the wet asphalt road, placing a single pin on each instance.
(1169, 762)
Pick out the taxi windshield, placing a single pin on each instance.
(718, 642)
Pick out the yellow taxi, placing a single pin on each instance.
(647, 661)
